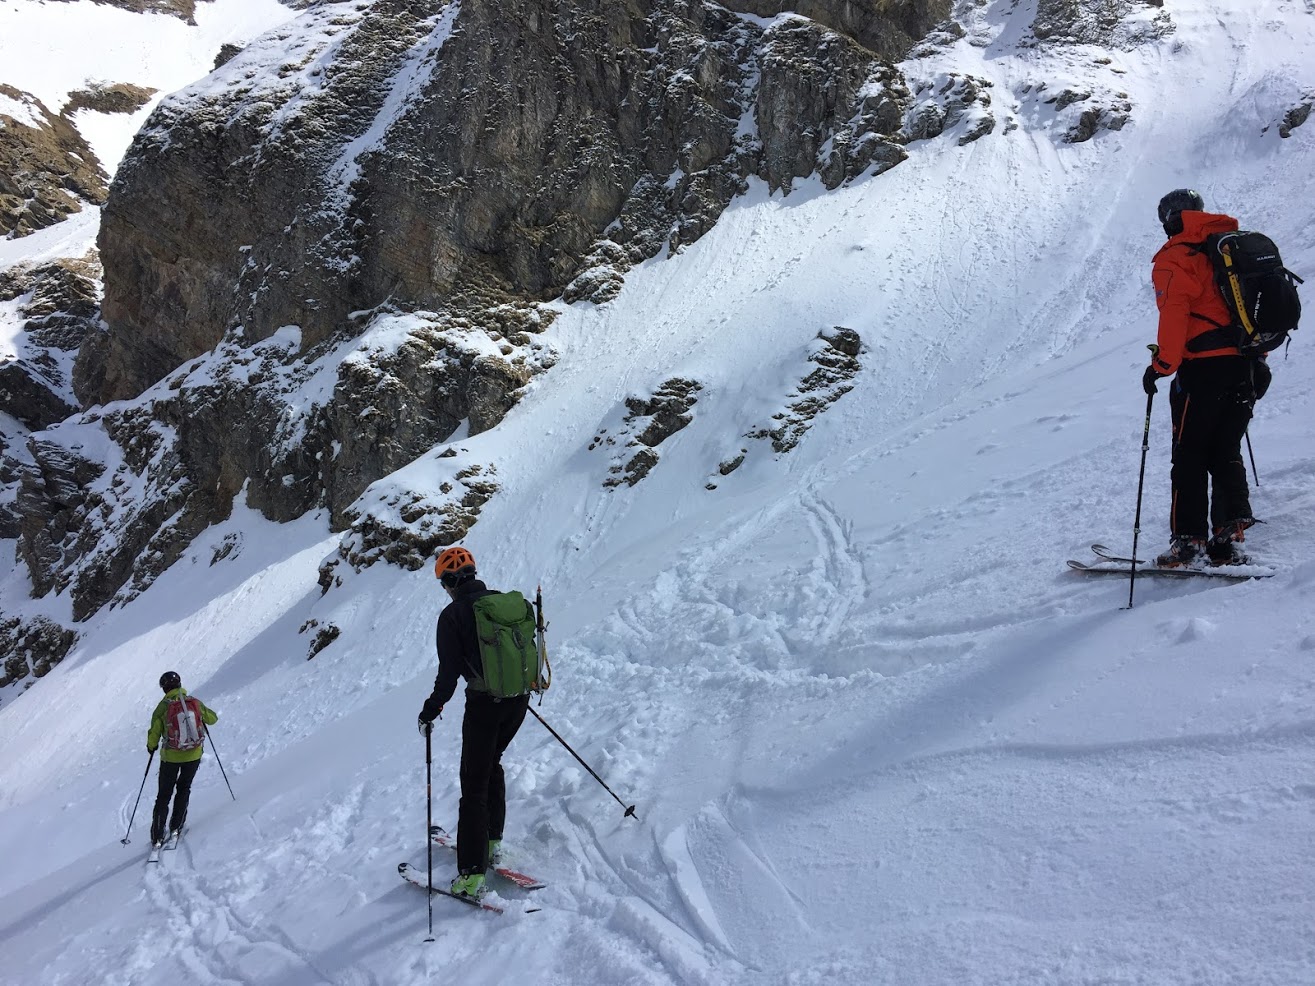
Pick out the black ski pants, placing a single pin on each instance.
(1211, 401)
(486, 731)
(175, 782)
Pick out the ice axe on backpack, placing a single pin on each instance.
(541, 645)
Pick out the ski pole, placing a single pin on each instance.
(630, 811)
(1254, 475)
(429, 819)
(217, 760)
(124, 840)
(1141, 482)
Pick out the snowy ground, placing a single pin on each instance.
(875, 732)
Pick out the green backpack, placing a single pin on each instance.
(504, 625)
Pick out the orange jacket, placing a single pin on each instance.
(1184, 289)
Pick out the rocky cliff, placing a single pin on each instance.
(372, 206)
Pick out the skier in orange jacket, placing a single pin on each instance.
(1213, 392)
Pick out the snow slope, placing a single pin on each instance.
(875, 732)
(53, 49)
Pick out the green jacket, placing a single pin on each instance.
(158, 729)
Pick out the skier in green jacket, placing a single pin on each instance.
(179, 720)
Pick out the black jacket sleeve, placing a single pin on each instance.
(447, 639)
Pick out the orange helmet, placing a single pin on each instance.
(454, 561)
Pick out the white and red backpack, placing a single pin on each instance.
(184, 729)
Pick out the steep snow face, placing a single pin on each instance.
(874, 731)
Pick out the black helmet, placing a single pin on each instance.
(170, 680)
(1173, 205)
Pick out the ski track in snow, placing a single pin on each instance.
(874, 733)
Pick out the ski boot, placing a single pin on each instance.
(1183, 550)
(1225, 548)
(469, 885)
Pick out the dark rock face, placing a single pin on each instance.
(648, 423)
(836, 359)
(60, 309)
(224, 423)
(1298, 114)
(430, 177)
(119, 97)
(46, 169)
(808, 96)
(530, 128)
(1096, 22)
(31, 647)
(226, 53)
(887, 28)
(406, 527)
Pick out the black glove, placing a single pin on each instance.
(432, 710)
(1261, 377)
(1149, 379)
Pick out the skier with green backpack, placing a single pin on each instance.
(488, 638)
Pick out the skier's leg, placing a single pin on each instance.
(1192, 432)
(168, 775)
(512, 715)
(183, 794)
(1228, 473)
(479, 752)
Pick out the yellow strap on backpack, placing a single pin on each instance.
(1235, 286)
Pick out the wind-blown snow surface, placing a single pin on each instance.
(874, 731)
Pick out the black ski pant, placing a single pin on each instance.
(175, 782)
(1211, 401)
(487, 729)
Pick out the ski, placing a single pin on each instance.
(1103, 552)
(522, 880)
(1230, 573)
(154, 855)
(171, 843)
(414, 876)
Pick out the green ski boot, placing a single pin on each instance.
(469, 885)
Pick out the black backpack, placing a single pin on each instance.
(1260, 293)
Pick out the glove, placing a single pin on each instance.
(426, 727)
(1149, 379)
(432, 710)
(1261, 377)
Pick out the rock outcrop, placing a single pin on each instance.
(31, 647)
(1100, 22)
(835, 356)
(57, 306)
(506, 146)
(370, 207)
(47, 171)
(646, 424)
